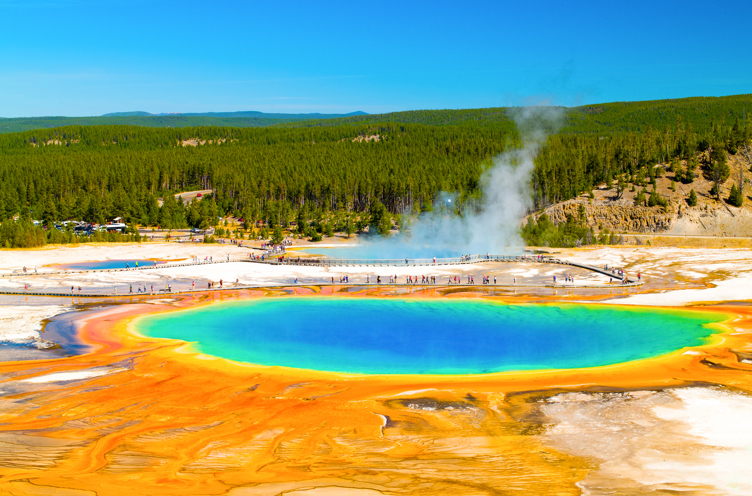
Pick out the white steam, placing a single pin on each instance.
(488, 225)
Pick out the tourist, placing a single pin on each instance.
(193, 284)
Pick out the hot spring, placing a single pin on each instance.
(396, 336)
(109, 264)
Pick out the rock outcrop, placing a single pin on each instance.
(618, 218)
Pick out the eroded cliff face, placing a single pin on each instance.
(704, 220)
(617, 218)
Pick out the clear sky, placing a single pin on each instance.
(82, 57)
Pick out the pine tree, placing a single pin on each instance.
(735, 197)
(692, 199)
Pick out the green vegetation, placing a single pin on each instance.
(272, 175)
(227, 119)
(692, 199)
(735, 197)
(571, 233)
(570, 163)
(317, 177)
(23, 233)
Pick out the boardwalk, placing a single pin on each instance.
(334, 262)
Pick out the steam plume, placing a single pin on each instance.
(489, 225)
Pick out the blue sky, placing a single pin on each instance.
(80, 57)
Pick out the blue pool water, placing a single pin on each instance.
(378, 248)
(109, 264)
(392, 336)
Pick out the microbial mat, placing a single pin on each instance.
(401, 336)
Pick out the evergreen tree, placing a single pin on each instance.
(735, 197)
(277, 236)
(692, 199)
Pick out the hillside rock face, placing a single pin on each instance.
(617, 218)
(681, 220)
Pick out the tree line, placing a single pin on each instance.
(344, 174)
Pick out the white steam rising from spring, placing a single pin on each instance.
(489, 225)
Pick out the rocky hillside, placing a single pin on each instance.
(607, 209)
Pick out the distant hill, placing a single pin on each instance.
(262, 115)
(242, 113)
(140, 118)
(127, 114)
(605, 118)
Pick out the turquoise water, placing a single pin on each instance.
(109, 264)
(392, 336)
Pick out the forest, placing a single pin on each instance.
(330, 173)
(231, 119)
